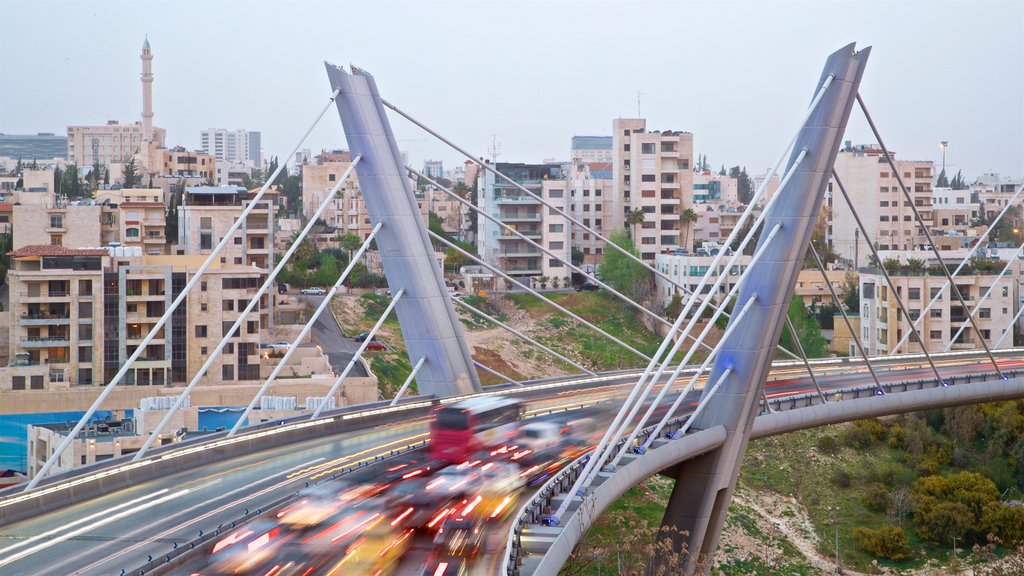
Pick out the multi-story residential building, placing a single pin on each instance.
(206, 214)
(713, 188)
(591, 201)
(527, 215)
(886, 214)
(714, 224)
(652, 172)
(954, 219)
(232, 173)
(769, 189)
(37, 180)
(883, 325)
(994, 192)
(59, 222)
(591, 149)
(179, 162)
(433, 168)
(687, 270)
(233, 146)
(812, 290)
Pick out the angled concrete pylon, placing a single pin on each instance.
(430, 326)
(704, 486)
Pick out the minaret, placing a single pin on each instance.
(147, 92)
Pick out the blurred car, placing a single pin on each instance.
(379, 548)
(375, 345)
(281, 344)
(314, 507)
(314, 291)
(588, 287)
(459, 537)
(246, 549)
(362, 337)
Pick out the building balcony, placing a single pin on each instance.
(152, 363)
(520, 253)
(45, 342)
(52, 319)
(524, 270)
(516, 199)
(531, 234)
(155, 240)
(963, 345)
(521, 218)
(47, 295)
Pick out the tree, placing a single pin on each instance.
(577, 257)
(849, 293)
(634, 217)
(958, 183)
(887, 542)
(623, 273)
(350, 243)
(744, 188)
(807, 331)
(130, 174)
(543, 281)
(952, 506)
(722, 171)
(942, 181)
(687, 218)
(555, 282)
(674, 307)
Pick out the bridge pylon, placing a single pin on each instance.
(429, 324)
(704, 486)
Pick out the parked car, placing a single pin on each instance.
(375, 345)
(281, 344)
(588, 287)
(362, 337)
(282, 288)
(314, 291)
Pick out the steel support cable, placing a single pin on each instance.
(667, 385)
(618, 428)
(253, 302)
(700, 371)
(494, 372)
(704, 402)
(885, 274)
(970, 254)
(814, 103)
(537, 245)
(927, 233)
(632, 401)
(408, 381)
(501, 324)
(170, 310)
(846, 318)
(985, 296)
(554, 304)
(324, 304)
(358, 354)
(803, 355)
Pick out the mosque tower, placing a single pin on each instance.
(147, 92)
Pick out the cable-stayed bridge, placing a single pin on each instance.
(159, 510)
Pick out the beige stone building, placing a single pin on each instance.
(811, 288)
(591, 200)
(179, 162)
(883, 209)
(883, 325)
(652, 172)
(59, 222)
(111, 143)
(206, 214)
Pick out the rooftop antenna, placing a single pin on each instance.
(638, 94)
(495, 149)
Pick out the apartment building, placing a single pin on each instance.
(591, 201)
(232, 146)
(715, 222)
(346, 213)
(592, 149)
(713, 188)
(994, 191)
(111, 143)
(883, 325)
(687, 270)
(954, 215)
(206, 214)
(885, 212)
(433, 169)
(56, 221)
(652, 173)
(182, 163)
(528, 216)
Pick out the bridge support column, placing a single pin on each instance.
(704, 486)
(429, 324)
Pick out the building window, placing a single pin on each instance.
(555, 228)
(647, 178)
(202, 286)
(85, 309)
(936, 313)
(17, 382)
(556, 245)
(227, 371)
(85, 353)
(985, 313)
(131, 233)
(201, 331)
(56, 240)
(914, 313)
(205, 240)
(85, 287)
(553, 263)
(252, 326)
(202, 307)
(647, 148)
(933, 292)
(914, 293)
(331, 177)
(986, 334)
(935, 334)
(556, 193)
(228, 306)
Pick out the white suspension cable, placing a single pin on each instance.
(359, 353)
(704, 402)
(977, 306)
(689, 354)
(324, 304)
(963, 263)
(253, 302)
(408, 381)
(170, 310)
(557, 306)
(493, 320)
(494, 372)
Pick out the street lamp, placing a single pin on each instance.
(943, 145)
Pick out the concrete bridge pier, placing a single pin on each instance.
(704, 486)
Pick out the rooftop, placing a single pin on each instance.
(48, 250)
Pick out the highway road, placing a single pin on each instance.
(122, 529)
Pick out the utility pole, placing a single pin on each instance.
(638, 104)
(856, 248)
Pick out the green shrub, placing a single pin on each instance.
(827, 444)
(863, 433)
(842, 479)
(876, 498)
(888, 542)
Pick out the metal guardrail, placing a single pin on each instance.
(534, 510)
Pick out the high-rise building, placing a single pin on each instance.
(237, 146)
(29, 147)
(652, 175)
(433, 168)
(591, 149)
(884, 211)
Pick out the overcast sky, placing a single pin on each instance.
(736, 74)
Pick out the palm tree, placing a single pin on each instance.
(687, 218)
(634, 217)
